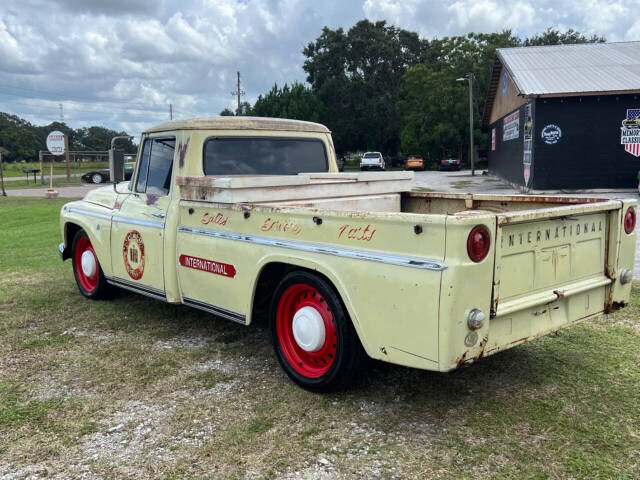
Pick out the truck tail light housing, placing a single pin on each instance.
(478, 243)
(629, 220)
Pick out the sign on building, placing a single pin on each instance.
(511, 126)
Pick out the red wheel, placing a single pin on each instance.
(306, 330)
(312, 335)
(86, 268)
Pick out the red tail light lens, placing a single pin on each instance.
(478, 243)
(630, 220)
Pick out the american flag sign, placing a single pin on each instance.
(630, 132)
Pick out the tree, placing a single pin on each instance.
(552, 36)
(245, 109)
(357, 77)
(434, 106)
(23, 140)
(297, 102)
(99, 138)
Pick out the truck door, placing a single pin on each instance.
(137, 230)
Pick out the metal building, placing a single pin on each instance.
(565, 116)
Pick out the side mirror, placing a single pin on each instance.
(116, 165)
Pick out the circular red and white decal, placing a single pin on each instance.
(133, 254)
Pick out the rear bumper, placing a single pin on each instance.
(515, 327)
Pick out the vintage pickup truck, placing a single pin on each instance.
(238, 216)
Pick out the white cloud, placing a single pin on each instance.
(94, 56)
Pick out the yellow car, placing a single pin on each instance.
(414, 162)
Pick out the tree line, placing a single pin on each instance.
(22, 140)
(379, 87)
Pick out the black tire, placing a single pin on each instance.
(349, 358)
(96, 286)
(96, 178)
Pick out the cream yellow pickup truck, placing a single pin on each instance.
(237, 216)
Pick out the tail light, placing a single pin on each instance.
(478, 243)
(630, 220)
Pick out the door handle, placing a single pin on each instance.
(158, 215)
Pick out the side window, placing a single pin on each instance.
(141, 184)
(155, 166)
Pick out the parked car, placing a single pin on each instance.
(101, 176)
(449, 164)
(348, 266)
(414, 162)
(372, 160)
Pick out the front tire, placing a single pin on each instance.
(86, 268)
(96, 178)
(313, 337)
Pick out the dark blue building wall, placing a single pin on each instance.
(588, 154)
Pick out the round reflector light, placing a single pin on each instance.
(630, 220)
(478, 243)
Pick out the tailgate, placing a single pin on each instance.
(549, 254)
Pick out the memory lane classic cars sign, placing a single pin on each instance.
(630, 132)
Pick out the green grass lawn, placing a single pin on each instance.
(132, 387)
(15, 169)
(57, 182)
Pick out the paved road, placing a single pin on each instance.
(457, 182)
(76, 191)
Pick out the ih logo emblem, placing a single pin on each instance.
(133, 254)
(630, 132)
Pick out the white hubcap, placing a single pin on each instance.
(88, 262)
(308, 329)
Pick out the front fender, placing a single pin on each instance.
(95, 220)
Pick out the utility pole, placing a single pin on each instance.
(170, 111)
(238, 92)
(469, 77)
(61, 113)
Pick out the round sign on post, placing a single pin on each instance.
(55, 143)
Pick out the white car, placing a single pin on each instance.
(372, 160)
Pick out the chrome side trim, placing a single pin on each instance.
(136, 287)
(421, 263)
(89, 213)
(117, 218)
(216, 310)
(137, 221)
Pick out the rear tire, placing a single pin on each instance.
(337, 358)
(86, 268)
(96, 178)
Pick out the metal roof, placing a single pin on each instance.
(574, 69)
(240, 123)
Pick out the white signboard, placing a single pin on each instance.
(511, 126)
(55, 143)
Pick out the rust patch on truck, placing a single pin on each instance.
(182, 152)
(465, 359)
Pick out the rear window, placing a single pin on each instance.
(371, 155)
(263, 156)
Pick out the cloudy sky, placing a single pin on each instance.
(120, 63)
